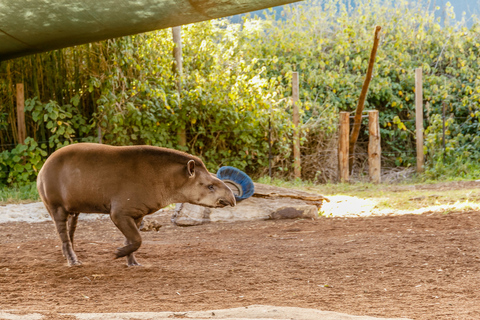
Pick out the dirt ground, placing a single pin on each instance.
(414, 266)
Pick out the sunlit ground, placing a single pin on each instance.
(366, 199)
(348, 206)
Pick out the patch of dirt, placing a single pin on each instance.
(414, 266)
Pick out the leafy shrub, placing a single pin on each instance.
(14, 194)
(21, 165)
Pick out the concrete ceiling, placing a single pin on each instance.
(31, 26)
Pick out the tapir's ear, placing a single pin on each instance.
(191, 168)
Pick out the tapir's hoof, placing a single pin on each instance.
(136, 264)
(74, 263)
(119, 253)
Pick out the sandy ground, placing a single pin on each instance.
(416, 266)
(410, 266)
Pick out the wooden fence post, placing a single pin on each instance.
(270, 143)
(177, 54)
(296, 124)
(99, 134)
(374, 148)
(21, 129)
(419, 118)
(343, 146)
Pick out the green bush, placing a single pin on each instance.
(15, 194)
(21, 165)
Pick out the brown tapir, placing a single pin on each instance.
(125, 182)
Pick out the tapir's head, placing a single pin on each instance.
(204, 189)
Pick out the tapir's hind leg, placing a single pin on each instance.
(128, 226)
(60, 216)
(72, 225)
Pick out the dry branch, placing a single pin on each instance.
(361, 101)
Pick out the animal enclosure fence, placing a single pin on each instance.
(374, 153)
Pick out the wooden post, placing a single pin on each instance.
(177, 53)
(270, 144)
(296, 125)
(363, 95)
(99, 132)
(419, 118)
(21, 129)
(443, 128)
(374, 148)
(343, 143)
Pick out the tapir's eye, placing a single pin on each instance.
(211, 187)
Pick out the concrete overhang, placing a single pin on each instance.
(32, 26)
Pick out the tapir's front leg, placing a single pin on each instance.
(131, 261)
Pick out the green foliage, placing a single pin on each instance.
(412, 37)
(452, 169)
(17, 194)
(21, 165)
(62, 121)
(237, 77)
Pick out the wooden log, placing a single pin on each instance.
(268, 191)
(21, 128)
(374, 148)
(268, 202)
(296, 124)
(361, 101)
(419, 118)
(343, 137)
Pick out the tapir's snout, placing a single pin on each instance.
(227, 197)
(227, 202)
